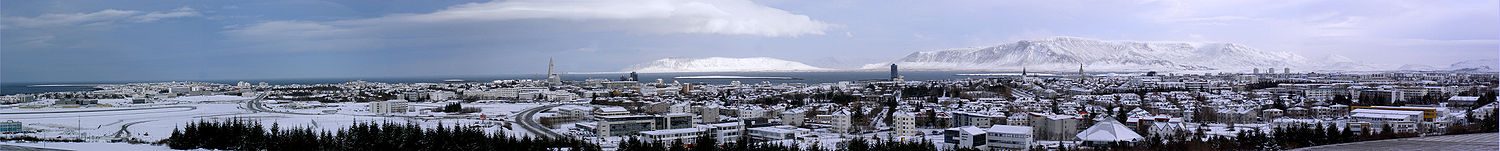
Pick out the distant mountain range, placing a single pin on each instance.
(1069, 53)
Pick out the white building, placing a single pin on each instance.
(559, 95)
(726, 132)
(1107, 131)
(1382, 116)
(964, 137)
(905, 123)
(391, 106)
(1008, 137)
(777, 133)
(441, 95)
(668, 136)
(19, 98)
(842, 122)
(793, 118)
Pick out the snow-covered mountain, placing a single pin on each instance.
(719, 64)
(1068, 53)
(1417, 67)
(1334, 62)
(1476, 65)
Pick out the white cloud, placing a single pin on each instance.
(176, 13)
(1368, 29)
(40, 41)
(726, 17)
(730, 17)
(102, 17)
(463, 22)
(46, 20)
(303, 35)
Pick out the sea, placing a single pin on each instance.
(800, 77)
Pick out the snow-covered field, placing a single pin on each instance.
(88, 146)
(156, 122)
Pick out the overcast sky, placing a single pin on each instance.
(113, 40)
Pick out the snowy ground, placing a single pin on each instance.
(156, 121)
(89, 146)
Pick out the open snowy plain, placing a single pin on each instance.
(155, 121)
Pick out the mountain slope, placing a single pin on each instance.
(1068, 53)
(1341, 63)
(1485, 65)
(719, 64)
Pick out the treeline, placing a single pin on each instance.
(855, 144)
(1279, 139)
(250, 135)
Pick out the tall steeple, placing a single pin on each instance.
(549, 67)
(1080, 71)
(552, 77)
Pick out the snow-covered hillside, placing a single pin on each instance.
(1417, 67)
(1340, 63)
(719, 64)
(1476, 65)
(1068, 53)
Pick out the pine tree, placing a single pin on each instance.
(177, 141)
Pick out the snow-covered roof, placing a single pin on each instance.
(970, 130)
(1010, 129)
(903, 114)
(1380, 111)
(1463, 98)
(1381, 116)
(1108, 130)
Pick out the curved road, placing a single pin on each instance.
(532, 125)
(257, 106)
(125, 129)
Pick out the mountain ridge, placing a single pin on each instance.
(1071, 52)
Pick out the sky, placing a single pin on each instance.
(159, 40)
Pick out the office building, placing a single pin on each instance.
(905, 123)
(1008, 137)
(964, 137)
(10, 127)
(391, 106)
(1053, 127)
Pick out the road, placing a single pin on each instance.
(26, 148)
(124, 131)
(526, 116)
(259, 106)
(1485, 141)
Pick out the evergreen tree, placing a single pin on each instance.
(1385, 129)
(677, 146)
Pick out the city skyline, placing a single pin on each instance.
(59, 41)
